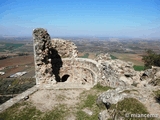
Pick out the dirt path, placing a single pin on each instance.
(48, 99)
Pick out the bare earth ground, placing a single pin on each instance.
(91, 54)
(47, 100)
(18, 64)
(19, 60)
(135, 58)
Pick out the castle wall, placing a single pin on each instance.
(56, 61)
(43, 54)
(65, 48)
(81, 70)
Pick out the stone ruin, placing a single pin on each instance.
(56, 61)
(43, 54)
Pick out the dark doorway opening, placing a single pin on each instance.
(64, 78)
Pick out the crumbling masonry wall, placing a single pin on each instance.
(80, 70)
(56, 61)
(42, 56)
(65, 48)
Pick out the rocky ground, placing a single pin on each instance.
(120, 89)
(79, 103)
(129, 83)
(48, 99)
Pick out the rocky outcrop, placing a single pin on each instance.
(102, 57)
(116, 73)
(56, 60)
(104, 115)
(151, 76)
(108, 98)
(113, 96)
(128, 83)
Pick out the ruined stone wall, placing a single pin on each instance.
(65, 48)
(80, 70)
(42, 56)
(56, 61)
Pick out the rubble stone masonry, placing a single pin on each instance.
(56, 61)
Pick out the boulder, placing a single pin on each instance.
(104, 115)
(111, 97)
(157, 75)
(87, 111)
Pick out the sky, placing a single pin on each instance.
(95, 18)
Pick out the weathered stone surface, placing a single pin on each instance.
(56, 61)
(104, 115)
(43, 54)
(128, 81)
(112, 72)
(80, 70)
(112, 96)
(150, 76)
(65, 48)
(157, 75)
(103, 57)
(87, 111)
(116, 73)
(143, 94)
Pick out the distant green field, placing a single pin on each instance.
(85, 55)
(113, 57)
(10, 46)
(138, 68)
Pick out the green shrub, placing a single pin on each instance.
(99, 87)
(85, 55)
(138, 68)
(113, 57)
(151, 59)
(130, 106)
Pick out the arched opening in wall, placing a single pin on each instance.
(65, 77)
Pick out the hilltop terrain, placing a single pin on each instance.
(120, 86)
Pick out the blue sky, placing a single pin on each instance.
(101, 18)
